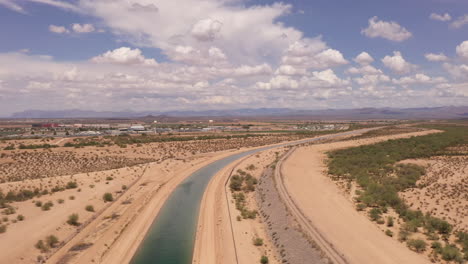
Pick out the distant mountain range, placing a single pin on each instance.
(448, 112)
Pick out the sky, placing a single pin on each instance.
(159, 55)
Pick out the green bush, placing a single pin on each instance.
(451, 253)
(389, 233)
(390, 221)
(264, 260)
(89, 208)
(73, 220)
(42, 246)
(107, 197)
(72, 185)
(52, 241)
(375, 214)
(417, 245)
(258, 242)
(47, 206)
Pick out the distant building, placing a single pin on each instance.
(137, 128)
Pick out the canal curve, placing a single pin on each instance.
(171, 237)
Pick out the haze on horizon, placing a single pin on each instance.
(227, 54)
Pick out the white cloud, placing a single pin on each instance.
(124, 55)
(364, 58)
(59, 4)
(312, 53)
(290, 70)
(397, 63)
(206, 29)
(85, 28)
(441, 17)
(12, 5)
(435, 57)
(462, 50)
(387, 30)
(366, 69)
(418, 78)
(58, 29)
(460, 22)
(457, 71)
(245, 70)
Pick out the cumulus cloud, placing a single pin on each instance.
(387, 30)
(366, 69)
(462, 50)
(418, 78)
(397, 63)
(435, 57)
(206, 29)
(84, 28)
(124, 55)
(441, 17)
(312, 53)
(460, 22)
(457, 71)
(58, 29)
(290, 70)
(364, 58)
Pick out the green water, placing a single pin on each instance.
(171, 237)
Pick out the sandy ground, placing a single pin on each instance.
(333, 215)
(39, 223)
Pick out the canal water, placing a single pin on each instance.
(171, 237)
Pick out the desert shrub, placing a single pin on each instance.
(72, 185)
(124, 187)
(251, 167)
(9, 210)
(236, 183)
(89, 208)
(451, 253)
(389, 233)
(52, 241)
(71, 197)
(73, 220)
(107, 197)
(264, 260)
(375, 214)
(361, 207)
(442, 226)
(437, 246)
(403, 235)
(390, 221)
(417, 245)
(47, 206)
(60, 201)
(3, 228)
(258, 242)
(109, 178)
(42, 246)
(20, 217)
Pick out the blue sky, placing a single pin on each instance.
(221, 54)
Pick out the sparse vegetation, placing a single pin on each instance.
(89, 208)
(107, 197)
(73, 220)
(258, 242)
